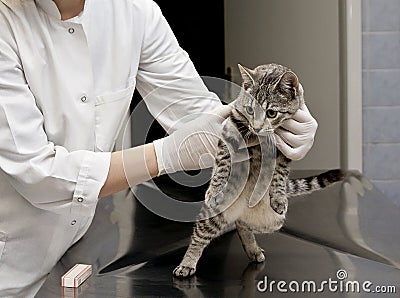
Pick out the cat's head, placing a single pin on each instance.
(271, 94)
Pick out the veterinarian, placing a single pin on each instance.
(68, 70)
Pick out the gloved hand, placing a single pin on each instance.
(296, 136)
(192, 146)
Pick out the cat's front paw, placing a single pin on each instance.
(257, 255)
(184, 271)
(279, 205)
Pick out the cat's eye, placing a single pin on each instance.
(249, 110)
(272, 113)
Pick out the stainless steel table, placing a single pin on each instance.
(349, 229)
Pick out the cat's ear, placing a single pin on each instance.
(289, 83)
(247, 76)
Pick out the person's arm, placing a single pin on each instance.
(143, 162)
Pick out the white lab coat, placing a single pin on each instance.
(65, 88)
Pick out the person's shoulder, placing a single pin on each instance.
(9, 8)
(141, 2)
(10, 12)
(12, 4)
(144, 6)
(136, 9)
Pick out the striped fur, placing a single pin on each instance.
(229, 197)
(302, 186)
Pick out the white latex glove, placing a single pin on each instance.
(296, 136)
(193, 146)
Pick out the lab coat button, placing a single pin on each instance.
(83, 98)
(73, 222)
(80, 200)
(71, 30)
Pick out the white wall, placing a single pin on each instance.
(303, 35)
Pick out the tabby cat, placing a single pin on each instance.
(238, 192)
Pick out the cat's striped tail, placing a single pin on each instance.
(301, 186)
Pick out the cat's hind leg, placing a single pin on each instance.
(204, 231)
(253, 251)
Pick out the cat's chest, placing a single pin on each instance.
(262, 218)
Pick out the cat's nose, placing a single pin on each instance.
(257, 130)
